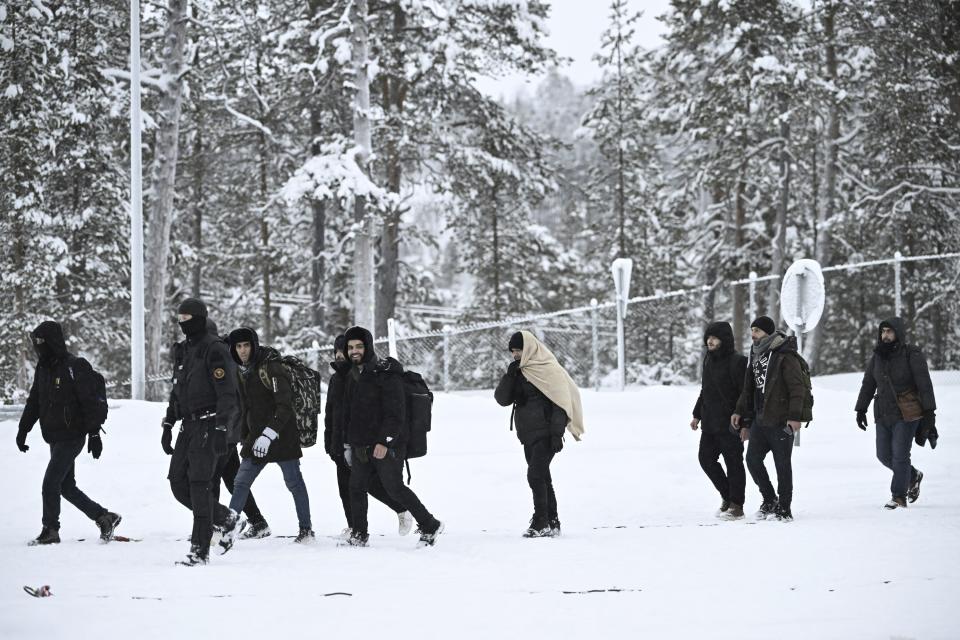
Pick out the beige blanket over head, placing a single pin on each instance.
(540, 367)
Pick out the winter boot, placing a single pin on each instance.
(406, 522)
(430, 539)
(537, 529)
(356, 539)
(914, 491)
(896, 502)
(305, 536)
(193, 558)
(766, 510)
(554, 525)
(724, 505)
(108, 522)
(47, 536)
(231, 527)
(255, 530)
(783, 514)
(734, 512)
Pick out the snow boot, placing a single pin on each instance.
(724, 505)
(108, 523)
(255, 530)
(554, 525)
(230, 529)
(193, 558)
(305, 536)
(783, 514)
(914, 491)
(405, 522)
(47, 536)
(537, 529)
(734, 512)
(766, 510)
(430, 539)
(356, 539)
(896, 502)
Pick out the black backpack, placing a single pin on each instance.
(96, 412)
(419, 412)
(806, 412)
(305, 383)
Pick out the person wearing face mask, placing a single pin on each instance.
(62, 398)
(904, 410)
(206, 390)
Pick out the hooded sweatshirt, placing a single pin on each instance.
(721, 381)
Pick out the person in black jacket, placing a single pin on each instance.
(206, 389)
(269, 430)
(333, 440)
(721, 385)
(375, 429)
(63, 399)
(540, 427)
(178, 474)
(897, 376)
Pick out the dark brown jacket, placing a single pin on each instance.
(781, 395)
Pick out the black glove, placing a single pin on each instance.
(929, 420)
(218, 440)
(862, 420)
(513, 368)
(556, 444)
(166, 439)
(22, 441)
(927, 430)
(95, 445)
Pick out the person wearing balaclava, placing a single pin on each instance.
(904, 410)
(64, 398)
(769, 413)
(333, 441)
(206, 390)
(546, 402)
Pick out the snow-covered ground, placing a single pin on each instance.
(637, 512)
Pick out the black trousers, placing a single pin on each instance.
(764, 439)
(59, 480)
(203, 467)
(539, 455)
(179, 477)
(389, 471)
(731, 485)
(375, 489)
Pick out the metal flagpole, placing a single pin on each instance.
(137, 347)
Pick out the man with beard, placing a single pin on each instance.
(897, 376)
(207, 396)
(721, 385)
(178, 474)
(333, 440)
(376, 433)
(769, 412)
(63, 398)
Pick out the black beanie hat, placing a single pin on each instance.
(765, 324)
(340, 343)
(516, 341)
(194, 307)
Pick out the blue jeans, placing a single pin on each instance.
(893, 450)
(250, 469)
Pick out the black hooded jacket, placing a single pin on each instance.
(63, 390)
(266, 396)
(892, 370)
(333, 437)
(373, 399)
(773, 394)
(722, 380)
(176, 361)
(205, 381)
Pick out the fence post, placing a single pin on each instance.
(595, 343)
(446, 357)
(392, 338)
(897, 305)
(753, 296)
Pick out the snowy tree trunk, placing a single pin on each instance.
(739, 292)
(318, 265)
(163, 176)
(364, 291)
(780, 224)
(198, 204)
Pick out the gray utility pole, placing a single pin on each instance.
(138, 377)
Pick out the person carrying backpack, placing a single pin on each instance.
(375, 436)
(905, 407)
(769, 412)
(546, 402)
(269, 430)
(67, 400)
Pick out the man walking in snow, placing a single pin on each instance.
(269, 429)
(375, 429)
(769, 411)
(546, 402)
(64, 399)
(905, 408)
(720, 387)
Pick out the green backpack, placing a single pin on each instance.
(806, 413)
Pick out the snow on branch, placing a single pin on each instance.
(333, 173)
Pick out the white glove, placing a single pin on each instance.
(348, 454)
(262, 443)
